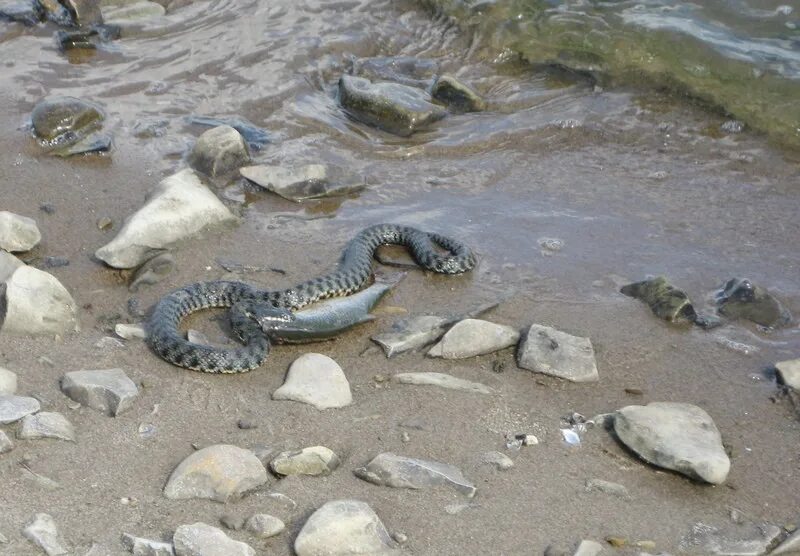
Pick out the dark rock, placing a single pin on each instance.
(742, 299)
(59, 122)
(94, 143)
(27, 13)
(255, 136)
(457, 95)
(666, 301)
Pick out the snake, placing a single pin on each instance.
(244, 300)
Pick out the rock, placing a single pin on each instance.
(497, 459)
(14, 408)
(109, 390)
(317, 380)
(408, 70)
(316, 460)
(789, 372)
(35, 302)
(412, 333)
(8, 382)
(589, 548)
(18, 233)
(391, 470)
(741, 299)
(676, 436)
(130, 331)
(344, 528)
(152, 271)
(615, 489)
(8, 264)
(552, 352)
(46, 425)
(179, 207)
(59, 122)
(550, 245)
(232, 522)
(790, 545)
(218, 151)
(666, 301)
(56, 12)
(472, 337)
(748, 540)
(94, 142)
(442, 380)
(27, 13)
(311, 181)
(395, 108)
(84, 12)
(145, 547)
(5, 443)
(457, 95)
(126, 13)
(200, 539)
(54, 262)
(220, 472)
(43, 533)
(264, 526)
(255, 136)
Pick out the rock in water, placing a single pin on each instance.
(221, 472)
(395, 108)
(255, 136)
(741, 299)
(391, 470)
(109, 391)
(317, 380)
(59, 122)
(14, 408)
(666, 301)
(179, 207)
(200, 539)
(344, 528)
(552, 352)
(18, 233)
(472, 337)
(316, 460)
(312, 181)
(457, 95)
(43, 533)
(35, 302)
(677, 436)
(219, 151)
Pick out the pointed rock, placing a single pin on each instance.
(317, 380)
(472, 337)
(552, 352)
(46, 425)
(109, 391)
(789, 372)
(391, 470)
(344, 528)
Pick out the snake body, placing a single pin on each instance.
(353, 273)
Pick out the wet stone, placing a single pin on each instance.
(315, 460)
(200, 539)
(472, 337)
(146, 547)
(443, 381)
(666, 301)
(5, 443)
(132, 12)
(312, 181)
(109, 391)
(18, 233)
(62, 121)
(741, 299)
(408, 70)
(221, 472)
(43, 533)
(255, 136)
(27, 13)
(317, 380)
(739, 540)
(676, 436)
(14, 408)
(264, 526)
(552, 352)
(344, 528)
(46, 425)
(84, 12)
(789, 371)
(92, 143)
(218, 151)
(456, 95)
(152, 271)
(395, 471)
(395, 108)
(8, 382)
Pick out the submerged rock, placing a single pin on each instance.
(315, 460)
(395, 108)
(219, 151)
(552, 352)
(18, 233)
(344, 528)
(741, 299)
(109, 390)
(60, 122)
(199, 539)
(88, 38)
(457, 95)
(35, 302)
(748, 540)
(443, 381)
(666, 301)
(677, 436)
(255, 136)
(472, 337)
(311, 181)
(93, 143)
(317, 380)
(395, 471)
(408, 70)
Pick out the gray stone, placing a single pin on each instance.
(264, 526)
(552, 352)
(8, 382)
(18, 233)
(395, 108)
(344, 528)
(676, 436)
(219, 151)
(36, 303)
(145, 547)
(457, 95)
(734, 540)
(614, 489)
(46, 425)
(789, 372)
(589, 548)
(8, 264)
(43, 533)
(315, 460)
(412, 333)
(126, 13)
(220, 472)
(84, 12)
(14, 408)
(472, 337)
(109, 391)
(21, 12)
(790, 545)
(130, 331)
(317, 380)
(443, 381)
(200, 539)
(395, 471)
(497, 459)
(311, 181)
(178, 208)
(152, 271)
(5, 443)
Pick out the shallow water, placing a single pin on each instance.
(633, 182)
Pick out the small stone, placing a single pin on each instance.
(749, 540)
(220, 472)
(200, 539)
(400, 537)
(457, 95)
(39, 481)
(615, 489)
(14, 408)
(443, 381)
(152, 271)
(316, 460)
(617, 542)
(412, 333)
(232, 522)
(60, 122)
(789, 371)
(472, 337)
(105, 223)
(264, 526)
(343, 528)
(5, 443)
(43, 533)
(665, 300)
(311, 181)
(550, 245)
(109, 391)
(499, 460)
(145, 547)
(588, 548)
(395, 471)
(197, 337)
(130, 331)
(552, 352)
(246, 424)
(8, 382)
(54, 262)
(317, 380)
(18, 233)
(46, 425)
(218, 151)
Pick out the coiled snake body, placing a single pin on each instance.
(353, 273)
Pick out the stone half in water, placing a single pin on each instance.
(61, 122)
(666, 301)
(255, 136)
(740, 298)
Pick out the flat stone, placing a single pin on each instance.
(789, 372)
(790, 545)
(5, 443)
(315, 460)
(395, 108)
(395, 471)
(34, 302)
(589, 548)
(130, 331)
(740, 540)
(14, 408)
(18, 233)
(443, 381)
(665, 300)
(412, 333)
(552, 352)
(472, 337)
(178, 208)
(457, 95)
(8, 382)
(220, 472)
(498, 460)
(219, 151)
(264, 526)
(317, 380)
(344, 528)
(676, 436)
(607, 487)
(146, 547)
(109, 390)
(43, 533)
(200, 539)
(46, 425)
(312, 181)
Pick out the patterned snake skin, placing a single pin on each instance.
(353, 272)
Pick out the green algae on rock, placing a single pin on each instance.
(742, 299)
(457, 95)
(65, 125)
(666, 301)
